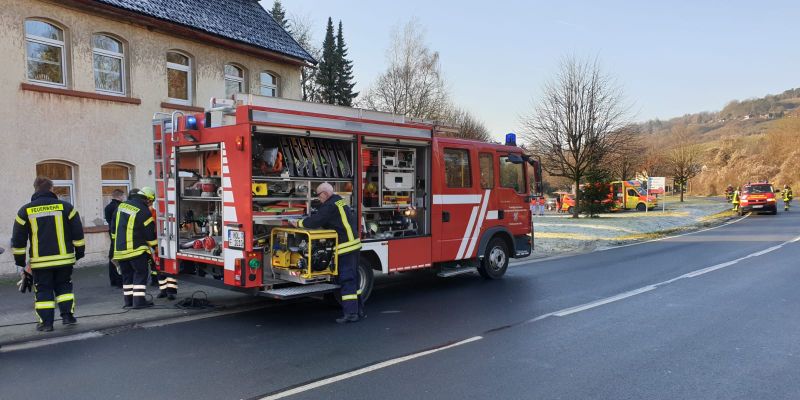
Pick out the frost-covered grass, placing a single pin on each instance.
(558, 233)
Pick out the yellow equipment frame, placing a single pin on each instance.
(312, 235)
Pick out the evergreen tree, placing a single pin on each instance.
(344, 77)
(328, 68)
(279, 15)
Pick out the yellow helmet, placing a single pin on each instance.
(148, 192)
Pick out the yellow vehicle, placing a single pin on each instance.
(629, 195)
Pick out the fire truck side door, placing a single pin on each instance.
(456, 200)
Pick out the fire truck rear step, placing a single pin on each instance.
(298, 291)
(448, 272)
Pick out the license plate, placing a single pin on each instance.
(235, 239)
(760, 206)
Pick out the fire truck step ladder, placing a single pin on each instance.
(298, 291)
(162, 168)
(448, 272)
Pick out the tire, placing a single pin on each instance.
(641, 207)
(570, 210)
(365, 283)
(495, 260)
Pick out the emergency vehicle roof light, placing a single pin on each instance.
(191, 123)
(511, 139)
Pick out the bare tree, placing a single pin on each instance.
(466, 125)
(302, 33)
(626, 160)
(577, 122)
(412, 84)
(683, 160)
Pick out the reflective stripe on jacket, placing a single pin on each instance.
(337, 215)
(54, 229)
(134, 230)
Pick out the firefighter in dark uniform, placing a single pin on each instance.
(336, 215)
(109, 212)
(56, 234)
(787, 197)
(134, 240)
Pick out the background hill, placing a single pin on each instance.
(748, 140)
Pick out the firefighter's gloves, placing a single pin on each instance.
(80, 252)
(25, 281)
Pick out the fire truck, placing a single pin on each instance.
(230, 179)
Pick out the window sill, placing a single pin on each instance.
(75, 93)
(181, 107)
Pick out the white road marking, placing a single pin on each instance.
(47, 342)
(587, 306)
(361, 371)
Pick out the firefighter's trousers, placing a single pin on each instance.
(167, 284)
(786, 204)
(53, 286)
(134, 280)
(352, 304)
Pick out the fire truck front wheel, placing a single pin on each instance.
(495, 261)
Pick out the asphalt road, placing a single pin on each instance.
(711, 315)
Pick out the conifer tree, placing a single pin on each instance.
(344, 76)
(279, 15)
(328, 68)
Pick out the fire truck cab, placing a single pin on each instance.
(229, 180)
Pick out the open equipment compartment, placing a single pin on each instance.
(199, 204)
(394, 194)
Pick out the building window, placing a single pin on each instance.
(269, 84)
(234, 80)
(179, 78)
(109, 65)
(114, 176)
(486, 161)
(45, 48)
(512, 175)
(457, 168)
(62, 176)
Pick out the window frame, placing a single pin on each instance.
(468, 169)
(189, 79)
(68, 183)
(274, 86)
(120, 56)
(241, 80)
(116, 182)
(62, 45)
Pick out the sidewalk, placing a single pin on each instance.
(98, 306)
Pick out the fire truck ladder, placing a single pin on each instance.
(162, 172)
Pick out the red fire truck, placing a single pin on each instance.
(229, 180)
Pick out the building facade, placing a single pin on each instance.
(82, 80)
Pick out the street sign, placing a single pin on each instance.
(656, 184)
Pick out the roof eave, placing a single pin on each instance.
(183, 31)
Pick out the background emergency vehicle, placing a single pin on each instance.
(228, 180)
(630, 195)
(758, 197)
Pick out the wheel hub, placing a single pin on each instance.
(497, 258)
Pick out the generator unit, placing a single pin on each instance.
(304, 253)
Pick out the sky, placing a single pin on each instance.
(669, 57)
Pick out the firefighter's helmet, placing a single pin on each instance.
(148, 192)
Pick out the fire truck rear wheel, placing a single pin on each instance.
(495, 260)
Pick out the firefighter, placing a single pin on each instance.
(117, 197)
(335, 214)
(787, 197)
(134, 242)
(735, 200)
(167, 284)
(55, 231)
(541, 202)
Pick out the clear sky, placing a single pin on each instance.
(670, 57)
